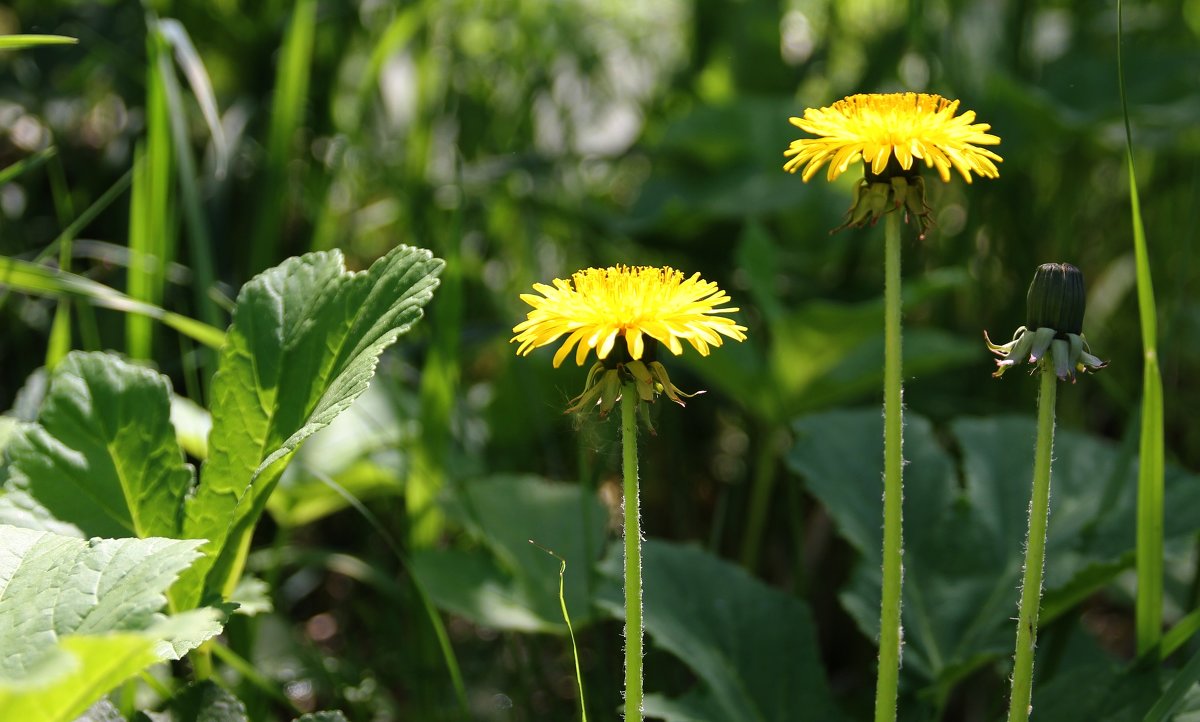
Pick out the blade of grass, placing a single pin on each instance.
(1150, 452)
(1178, 635)
(197, 75)
(37, 280)
(1166, 705)
(139, 277)
(59, 343)
(18, 42)
(251, 674)
(199, 239)
(14, 171)
(151, 222)
(287, 112)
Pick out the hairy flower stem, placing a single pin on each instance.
(1035, 550)
(633, 558)
(893, 490)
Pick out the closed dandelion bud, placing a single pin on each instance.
(1056, 299)
(1053, 334)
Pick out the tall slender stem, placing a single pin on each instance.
(760, 495)
(1035, 551)
(893, 490)
(633, 558)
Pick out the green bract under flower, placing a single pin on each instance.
(1055, 306)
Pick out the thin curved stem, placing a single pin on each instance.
(633, 558)
(887, 682)
(1035, 552)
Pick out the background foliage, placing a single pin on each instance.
(520, 141)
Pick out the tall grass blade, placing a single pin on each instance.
(287, 112)
(197, 75)
(59, 343)
(37, 280)
(151, 223)
(14, 171)
(139, 284)
(1150, 452)
(199, 240)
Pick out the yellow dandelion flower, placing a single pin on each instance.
(598, 306)
(904, 126)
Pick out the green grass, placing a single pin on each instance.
(1151, 448)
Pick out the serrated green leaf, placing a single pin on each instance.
(19, 509)
(963, 536)
(753, 648)
(181, 633)
(103, 455)
(513, 584)
(78, 617)
(252, 596)
(305, 339)
(73, 674)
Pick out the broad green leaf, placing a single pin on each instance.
(103, 454)
(964, 536)
(513, 584)
(305, 340)
(753, 648)
(77, 671)
(325, 716)
(78, 617)
(19, 509)
(1097, 689)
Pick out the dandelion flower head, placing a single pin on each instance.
(878, 127)
(598, 306)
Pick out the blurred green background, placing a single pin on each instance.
(524, 139)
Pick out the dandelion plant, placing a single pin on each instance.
(888, 132)
(1052, 340)
(624, 314)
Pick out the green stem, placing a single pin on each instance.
(760, 496)
(893, 490)
(1035, 551)
(633, 558)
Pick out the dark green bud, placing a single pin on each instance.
(1056, 299)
